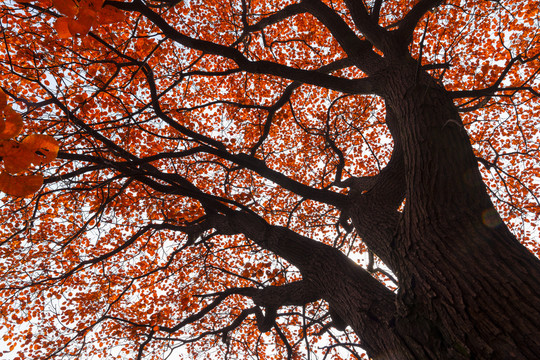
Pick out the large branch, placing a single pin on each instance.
(374, 207)
(375, 200)
(358, 50)
(352, 293)
(411, 19)
(368, 25)
(297, 293)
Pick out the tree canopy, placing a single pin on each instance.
(270, 179)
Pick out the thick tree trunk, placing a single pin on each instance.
(468, 288)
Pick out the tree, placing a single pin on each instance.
(252, 178)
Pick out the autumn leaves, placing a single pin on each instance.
(77, 19)
(18, 157)
(80, 17)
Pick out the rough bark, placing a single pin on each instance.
(468, 288)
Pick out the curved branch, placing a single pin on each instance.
(368, 26)
(181, 186)
(336, 277)
(375, 200)
(285, 97)
(359, 50)
(354, 86)
(217, 148)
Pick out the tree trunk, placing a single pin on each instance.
(468, 288)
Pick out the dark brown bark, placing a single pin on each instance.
(468, 288)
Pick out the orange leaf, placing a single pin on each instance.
(16, 157)
(20, 186)
(44, 148)
(61, 27)
(93, 5)
(13, 123)
(6, 147)
(82, 25)
(3, 99)
(66, 7)
(110, 15)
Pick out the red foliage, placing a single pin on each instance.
(152, 103)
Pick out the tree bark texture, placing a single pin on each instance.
(467, 288)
